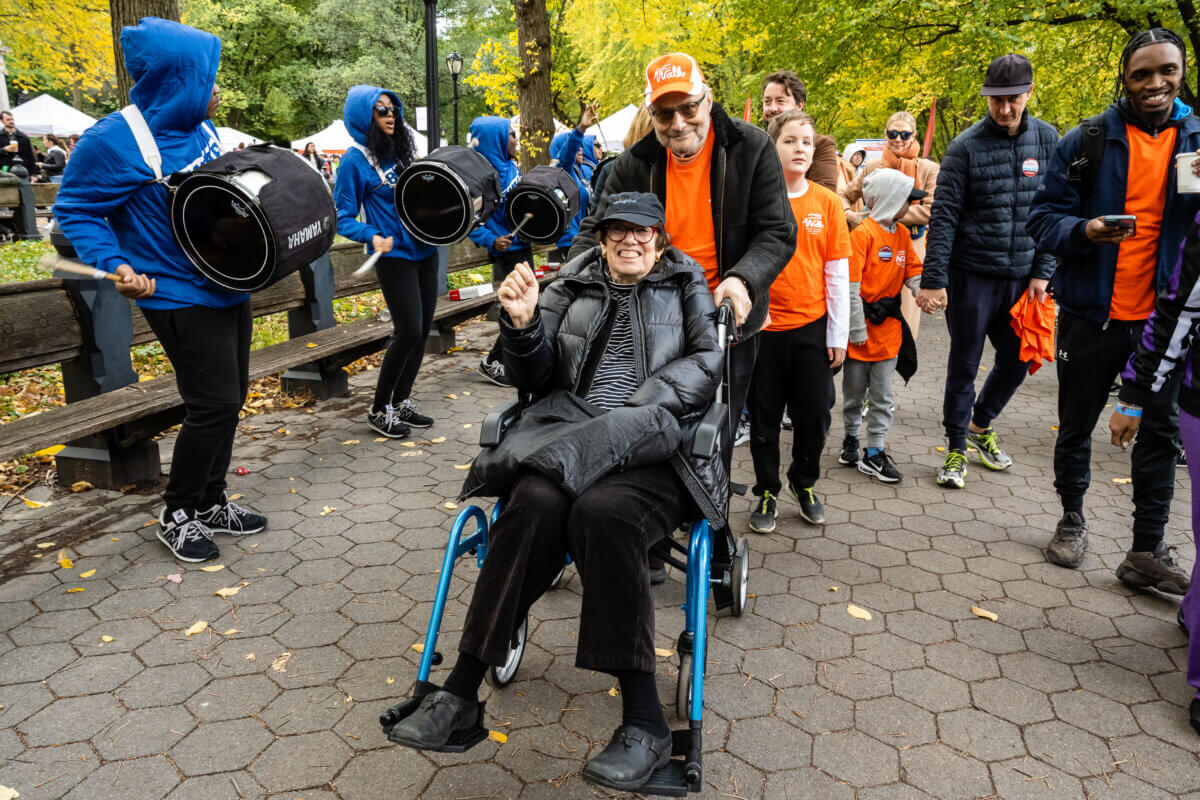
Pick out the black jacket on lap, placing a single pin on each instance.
(984, 191)
(752, 219)
(679, 364)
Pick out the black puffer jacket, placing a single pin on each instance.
(752, 220)
(984, 191)
(679, 362)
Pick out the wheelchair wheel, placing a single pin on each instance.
(683, 687)
(503, 675)
(739, 577)
(560, 578)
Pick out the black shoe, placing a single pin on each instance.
(186, 537)
(849, 451)
(440, 715)
(810, 507)
(762, 515)
(1194, 714)
(879, 466)
(388, 423)
(658, 570)
(786, 424)
(409, 415)
(227, 517)
(494, 372)
(630, 759)
(1070, 541)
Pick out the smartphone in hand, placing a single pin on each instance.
(1124, 221)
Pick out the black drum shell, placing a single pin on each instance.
(551, 196)
(243, 233)
(447, 194)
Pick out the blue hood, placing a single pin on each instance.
(589, 150)
(174, 68)
(359, 110)
(557, 145)
(489, 137)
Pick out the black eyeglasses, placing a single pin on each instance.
(903, 136)
(689, 110)
(386, 111)
(618, 233)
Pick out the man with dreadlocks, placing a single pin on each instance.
(1114, 166)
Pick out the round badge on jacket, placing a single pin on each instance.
(885, 253)
(1029, 167)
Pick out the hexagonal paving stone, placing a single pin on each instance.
(931, 690)
(1158, 763)
(53, 626)
(942, 772)
(895, 722)
(1037, 672)
(1115, 683)
(71, 720)
(231, 698)
(35, 663)
(226, 786)
(1093, 713)
(856, 758)
(161, 686)
(305, 710)
(143, 777)
(978, 734)
(220, 746)
(20, 701)
(144, 732)
(384, 775)
(814, 709)
(313, 630)
(1011, 701)
(768, 743)
(1023, 779)
(94, 674)
(299, 762)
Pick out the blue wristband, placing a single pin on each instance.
(1127, 411)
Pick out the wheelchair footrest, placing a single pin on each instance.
(460, 742)
(671, 779)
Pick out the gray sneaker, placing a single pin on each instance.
(1157, 570)
(988, 445)
(1070, 541)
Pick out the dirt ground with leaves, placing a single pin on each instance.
(126, 674)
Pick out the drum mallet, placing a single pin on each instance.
(528, 216)
(51, 262)
(366, 265)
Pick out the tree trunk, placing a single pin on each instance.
(128, 12)
(533, 84)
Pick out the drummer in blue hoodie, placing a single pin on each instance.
(408, 270)
(567, 153)
(116, 215)
(495, 140)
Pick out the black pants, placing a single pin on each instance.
(608, 531)
(792, 372)
(1090, 357)
(978, 310)
(410, 289)
(210, 351)
(502, 264)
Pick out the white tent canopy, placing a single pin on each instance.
(610, 131)
(337, 139)
(45, 114)
(232, 137)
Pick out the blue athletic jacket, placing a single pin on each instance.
(358, 187)
(1083, 282)
(489, 137)
(108, 204)
(563, 149)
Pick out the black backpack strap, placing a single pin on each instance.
(1085, 169)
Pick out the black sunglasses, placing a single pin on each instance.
(903, 136)
(385, 111)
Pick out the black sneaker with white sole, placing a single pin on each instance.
(227, 517)
(849, 454)
(880, 466)
(811, 508)
(388, 423)
(186, 537)
(494, 372)
(762, 513)
(409, 415)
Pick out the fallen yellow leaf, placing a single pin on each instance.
(1122, 480)
(115, 539)
(250, 657)
(438, 440)
(52, 450)
(87, 574)
(858, 613)
(450, 506)
(451, 396)
(467, 425)
(236, 496)
(45, 545)
(408, 444)
(381, 439)
(147, 524)
(613, 692)
(311, 344)
(229, 591)
(213, 568)
(74, 590)
(390, 681)
(198, 627)
(65, 562)
(230, 632)
(8, 794)
(979, 612)
(833, 588)
(350, 441)
(81, 486)
(327, 510)
(497, 736)
(462, 466)
(419, 647)
(281, 662)
(661, 653)
(941, 449)
(107, 639)
(35, 503)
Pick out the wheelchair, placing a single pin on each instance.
(713, 563)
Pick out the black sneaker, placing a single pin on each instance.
(762, 517)
(810, 507)
(742, 435)
(388, 423)
(1070, 541)
(227, 517)
(186, 537)
(494, 372)
(409, 415)
(879, 466)
(849, 451)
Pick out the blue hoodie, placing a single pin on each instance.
(108, 204)
(489, 137)
(589, 157)
(358, 185)
(563, 149)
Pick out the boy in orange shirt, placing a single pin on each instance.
(882, 262)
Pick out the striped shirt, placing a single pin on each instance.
(616, 380)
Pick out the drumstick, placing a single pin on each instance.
(528, 216)
(366, 265)
(51, 262)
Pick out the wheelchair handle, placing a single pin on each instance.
(724, 321)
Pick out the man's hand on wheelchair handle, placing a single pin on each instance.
(735, 290)
(519, 295)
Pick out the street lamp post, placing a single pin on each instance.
(454, 63)
(431, 76)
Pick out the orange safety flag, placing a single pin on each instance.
(747, 115)
(1033, 323)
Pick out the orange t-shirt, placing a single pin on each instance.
(880, 262)
(1145, 197)
(798, 294)
(689, 208)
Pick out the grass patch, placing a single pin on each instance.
(18, 261)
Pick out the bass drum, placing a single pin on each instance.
(550, 199)
(446, 195)
(252, 216)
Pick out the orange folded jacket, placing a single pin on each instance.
(1033, 323)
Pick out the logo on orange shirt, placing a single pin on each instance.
(814, 223)
(885, 253)
(1029, 167)
(900, 259)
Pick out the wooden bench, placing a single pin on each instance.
(21, 203)
(111, 418)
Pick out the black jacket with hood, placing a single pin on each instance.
(752, 219)
(679, 366)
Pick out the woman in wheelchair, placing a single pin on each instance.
(622, 358)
